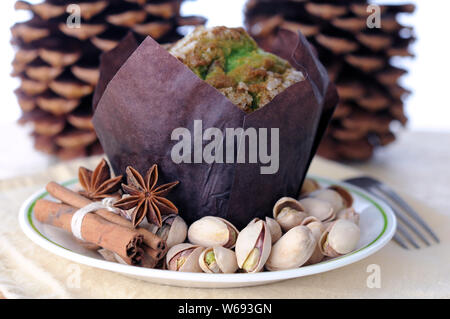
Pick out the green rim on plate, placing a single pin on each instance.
(320, 179)
(30, 212)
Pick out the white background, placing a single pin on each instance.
(428, 108)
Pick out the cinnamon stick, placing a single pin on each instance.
(128, 260)
(94, 229)
(74, 199)
(149, 260)
(67, 195)
(155, 254)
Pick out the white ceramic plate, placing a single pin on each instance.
(377, 223)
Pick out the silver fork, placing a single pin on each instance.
(404, 212)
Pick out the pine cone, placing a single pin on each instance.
(358, 59)
(58, 65)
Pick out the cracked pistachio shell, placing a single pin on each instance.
(349, 214)
(107, 254)
(317, 228)
(330, 196)
(340, 238)
(173, 230)
(315, 225)
(119, 259)
(253, 246)
(184, 257)
(274, 228)
(318, 208)
(288, 212)
(224, 260)
(292, 250)
(213, 231)
(309, 185)
(345, 194)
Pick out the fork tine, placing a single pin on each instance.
(401, 229)
(400, 241)
(408, 209)
(408, 223)
(401, 215)
(383, 191)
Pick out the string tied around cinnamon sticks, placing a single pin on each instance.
(93, 218)
(77, 218)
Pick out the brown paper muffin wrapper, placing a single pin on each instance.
(145, 93)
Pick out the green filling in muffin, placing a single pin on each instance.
(231, 61)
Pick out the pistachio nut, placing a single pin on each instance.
(274, 228)
(345, 194)
(253, 246)
(349, 214)
(327, 224)
(218, 260)
(309, 185)
(213, 231)
(317, 228)
(336, 196)
(288, 212)
(340, 238)
(292, 250)
(173, 230)
(314, 224)
(184, 257)
(318, 208)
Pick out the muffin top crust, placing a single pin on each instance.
(231, 61)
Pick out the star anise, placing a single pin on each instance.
(146, 198)
(98, 184)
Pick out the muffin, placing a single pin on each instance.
(154, 109)
(230, 60)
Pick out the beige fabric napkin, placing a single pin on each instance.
(28, 271)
